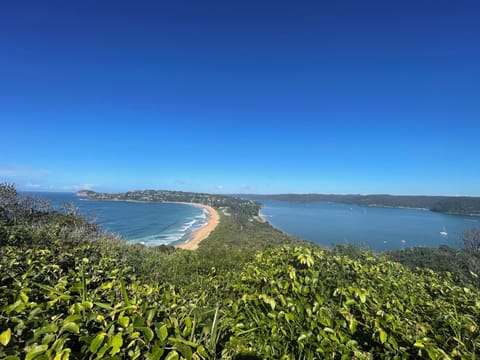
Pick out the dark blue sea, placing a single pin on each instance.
(136, 222)
(380, 229)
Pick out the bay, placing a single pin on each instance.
(136, 222)
(377, 228)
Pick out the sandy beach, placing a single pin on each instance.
(204, 231)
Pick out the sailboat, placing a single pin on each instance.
(443, 232)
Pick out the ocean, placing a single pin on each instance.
(148, 223)
(380, 229)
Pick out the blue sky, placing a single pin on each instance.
(241, 96)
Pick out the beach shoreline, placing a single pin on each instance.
(201, 234)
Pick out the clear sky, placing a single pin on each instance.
(241, 96)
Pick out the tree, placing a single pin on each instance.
(471, 240)
(8, 202)
(15, 208)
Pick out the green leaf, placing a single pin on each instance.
(350, 302)
(95, 344)
(58, 344)
(49, 328)
(72, 318)
(419, 345)
(102, 351)
(52, 290)
(123, 320)
(5, 337)
(183, 341)
(70, 327)
(117, 342)
(24, 297)
(172, 355)
(185, 350)
(147, 332)
(352, 326)
(87, 304)
(156, 353)
(270, 301)
(150, 315)
(163, 333)
(104, 306)
(393, 342)
(48, 338)
(201, 351)
(188, 323)
(64, 355)
(289, 317)
(383, 336)
(36, 351)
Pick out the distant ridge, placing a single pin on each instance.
(459, 205)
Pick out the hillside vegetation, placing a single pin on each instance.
(461, 205)
(68, 291)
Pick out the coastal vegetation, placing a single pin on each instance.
(461, 205)
(68, 290)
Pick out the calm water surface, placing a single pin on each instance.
(377, 228)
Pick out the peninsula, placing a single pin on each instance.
(246, 209)
(214, 200)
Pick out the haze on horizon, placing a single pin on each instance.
(241, 96)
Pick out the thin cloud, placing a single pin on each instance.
(14, 171)
(32, 186)
(180, 182)
(78, 187)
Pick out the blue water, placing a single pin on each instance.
(380, 229)
(148, 223)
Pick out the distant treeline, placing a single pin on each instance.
(445, 204)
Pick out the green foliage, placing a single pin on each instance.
(295, 303)
(93, 308)
(461, 264)
(471, 240)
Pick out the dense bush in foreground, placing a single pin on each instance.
(291, 303)
(463, 265)
(300, 303)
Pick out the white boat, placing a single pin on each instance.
(443, 232)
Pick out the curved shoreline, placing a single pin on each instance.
(201, 234)
(198, 235)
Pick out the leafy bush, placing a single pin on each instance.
(301, 303)
(91, 310)
(463, 265)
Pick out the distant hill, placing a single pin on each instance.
(461, 205)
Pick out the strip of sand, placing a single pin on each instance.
(204, 231)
